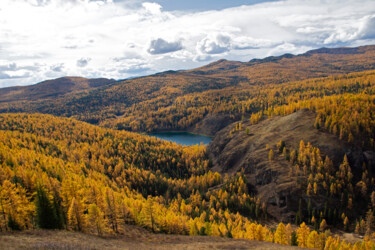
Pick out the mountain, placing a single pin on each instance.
(50, 89)
(145, 103)
(293, 142)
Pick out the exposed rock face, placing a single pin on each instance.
(270, 179)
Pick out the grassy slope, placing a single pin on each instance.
(134, 238)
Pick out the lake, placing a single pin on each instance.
(183, 138)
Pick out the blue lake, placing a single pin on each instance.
(183, 138)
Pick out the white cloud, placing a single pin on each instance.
(214, 44)
(83, 62)
(57, 67)
(119, 39)
(160, 46)
(367, 28)
(153, 8)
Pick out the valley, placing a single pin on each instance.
(288, 157)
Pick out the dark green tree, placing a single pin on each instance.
(12, 223)
(46, 216)
(293, 239)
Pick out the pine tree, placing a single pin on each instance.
(111, 209)
(369, 222)
(75, 216)
(323, 225)
(315, 188)
(13, 224)
(149, 213)
(346, 223)
(294, 239)
(280, 235)
(247, 131)
(270, 155)
(45, 211)
(312, 240)
(302, 235)
(96, 220)
(288, 233)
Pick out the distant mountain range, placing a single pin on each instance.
(100, 100)
(50, 88)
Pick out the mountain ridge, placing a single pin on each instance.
(51, 88)
(155, 95)
(224, 63)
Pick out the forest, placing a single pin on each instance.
(78, 163)
(62, 173)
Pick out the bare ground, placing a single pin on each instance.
(134, 238)
(270, 180)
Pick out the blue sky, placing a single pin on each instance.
(45, 39)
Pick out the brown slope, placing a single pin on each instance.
(278, 69)
(271, 180)
(50, 88)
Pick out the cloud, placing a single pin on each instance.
(215, 44)
(8, 67)
(70, 47)
(5, 76)
(203, 58)
(287, 48)
(141, 68)
(83, 62)
(119, 39)
(152, 8)
(367, 28)
(160, 46)
(245, 42)
(57, 67)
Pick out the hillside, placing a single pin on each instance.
(50, 89)
(178, 100)
(294, 143)
(309, 152)
(62, 173)
(271, 180)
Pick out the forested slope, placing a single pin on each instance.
(310, 154)
(178, 100)
(50, 89)
(61, 173)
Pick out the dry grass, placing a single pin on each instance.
(231, 153)
(134, 238)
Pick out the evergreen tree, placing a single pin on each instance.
(270, 155)
(75, 216)
(280, 235)
(96, 220)
(293, 239)
(13, 224)
(46, 215)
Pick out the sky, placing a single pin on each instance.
(119, 39)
